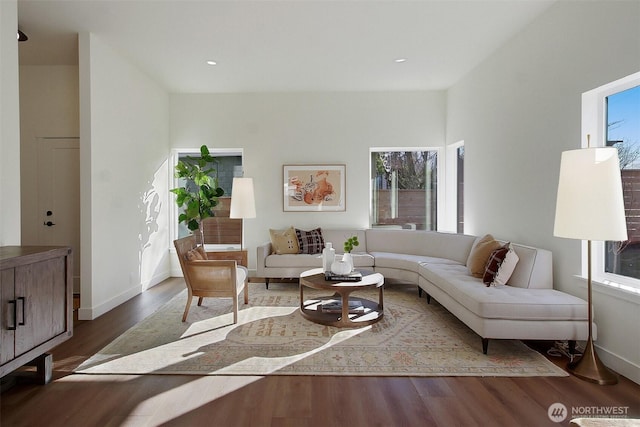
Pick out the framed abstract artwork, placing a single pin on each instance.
(314, 188)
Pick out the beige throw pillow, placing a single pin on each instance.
(480, 253)
(284, 241)
(195, 255)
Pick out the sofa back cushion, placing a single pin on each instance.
(534, 268)
(338, 236)
(425, 243)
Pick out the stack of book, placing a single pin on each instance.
(354, 276)
(335, 306)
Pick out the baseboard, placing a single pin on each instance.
(619, 364)
(93, 312)
(97, 311)
(156, 279)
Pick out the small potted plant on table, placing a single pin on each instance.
(348, 246)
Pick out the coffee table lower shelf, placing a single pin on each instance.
(311, 309)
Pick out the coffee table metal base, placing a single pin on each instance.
(311, 309)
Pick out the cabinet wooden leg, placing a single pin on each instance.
(44, 368)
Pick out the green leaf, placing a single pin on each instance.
(193, 208)
(182, 196)
(350, 243)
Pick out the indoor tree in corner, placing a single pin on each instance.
(199, 195)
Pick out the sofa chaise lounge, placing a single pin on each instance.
(526, 308)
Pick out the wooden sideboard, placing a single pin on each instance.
(36, 306)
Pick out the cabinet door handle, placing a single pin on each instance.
(24, 313)
(15, 315)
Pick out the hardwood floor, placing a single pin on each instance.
(168, 400)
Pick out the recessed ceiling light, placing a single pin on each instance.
(210, 62)
(400, 60)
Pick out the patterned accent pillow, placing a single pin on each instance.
(284, 241)
(493, 264)
(506, 268)
(310, 242)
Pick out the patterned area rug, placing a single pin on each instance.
(272, 338)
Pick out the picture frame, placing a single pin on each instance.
(314, 188)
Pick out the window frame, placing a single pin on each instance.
(594, 123)
(450, 222)
(440, 200)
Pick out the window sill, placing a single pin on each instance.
(623, 292)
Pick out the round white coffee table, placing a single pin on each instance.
(363, 311)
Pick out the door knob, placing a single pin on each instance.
(49, 223)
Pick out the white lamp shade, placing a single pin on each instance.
(590, 204)
(242, 199)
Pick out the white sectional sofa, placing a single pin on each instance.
(527, 308)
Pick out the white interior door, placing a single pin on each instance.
(59, 196)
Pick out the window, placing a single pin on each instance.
(611, 114)
(460, 189)
(454, 212)
(622, 111)
(404, 188)
(220, 231)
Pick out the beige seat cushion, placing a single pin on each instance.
(405, 262)
(314, 260)
(503, 302)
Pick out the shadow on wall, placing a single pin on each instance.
(154, 226)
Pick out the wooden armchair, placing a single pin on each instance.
(210, 278)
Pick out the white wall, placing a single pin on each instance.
(9, 126)
(124, 132)
(296, 128)
(516, 113)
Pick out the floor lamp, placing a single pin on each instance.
(243, 203)
(590, 206)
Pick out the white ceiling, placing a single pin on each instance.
(298, 45)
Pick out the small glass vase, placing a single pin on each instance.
(348, 259)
